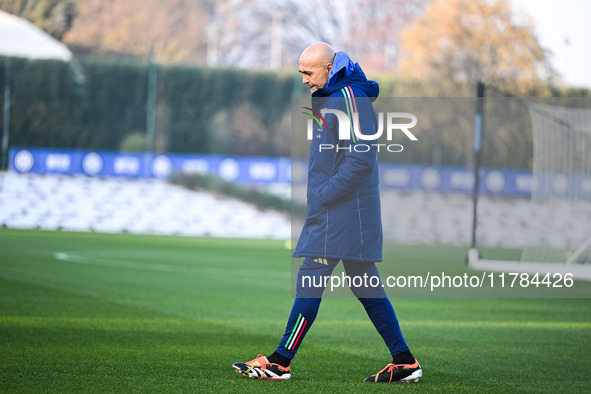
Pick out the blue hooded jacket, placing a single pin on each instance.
(343, 211)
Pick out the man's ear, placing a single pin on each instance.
(329, 67)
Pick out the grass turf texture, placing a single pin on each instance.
(125, 313)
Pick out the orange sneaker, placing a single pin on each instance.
(261, 368)
(398, 373)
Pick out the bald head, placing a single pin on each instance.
(315, 64)
(318, 52)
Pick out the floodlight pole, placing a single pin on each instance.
(478, 134)
(150, 136)
(6, 123)
(151, 103)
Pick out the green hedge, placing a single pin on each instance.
(50, 109)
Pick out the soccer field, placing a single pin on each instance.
(84, 312)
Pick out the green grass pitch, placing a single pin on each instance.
(120, 313)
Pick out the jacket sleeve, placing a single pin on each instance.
(354, 163)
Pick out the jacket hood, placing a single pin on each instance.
(345, 72)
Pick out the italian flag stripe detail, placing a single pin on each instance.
(296, 333)
(352, 98)
(300, 334)
(292, 331)
(349, 106)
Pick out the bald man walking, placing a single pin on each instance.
(343, 221)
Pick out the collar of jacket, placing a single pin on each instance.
(345, 72)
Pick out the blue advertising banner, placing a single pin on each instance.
(258, 170)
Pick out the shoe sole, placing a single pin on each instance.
(252, 376)
(413, 377)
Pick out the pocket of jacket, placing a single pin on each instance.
(321, 201)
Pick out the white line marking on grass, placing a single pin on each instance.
(201, 270)
(118, 263)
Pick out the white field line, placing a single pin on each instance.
(126, 264)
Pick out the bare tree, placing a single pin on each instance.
(53, 16)
(241, 31)
(373, 35)
(173, 30)
(471, 40)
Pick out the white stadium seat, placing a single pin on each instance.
(53, 202)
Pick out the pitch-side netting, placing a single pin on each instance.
(559, 238)
(562, 185)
